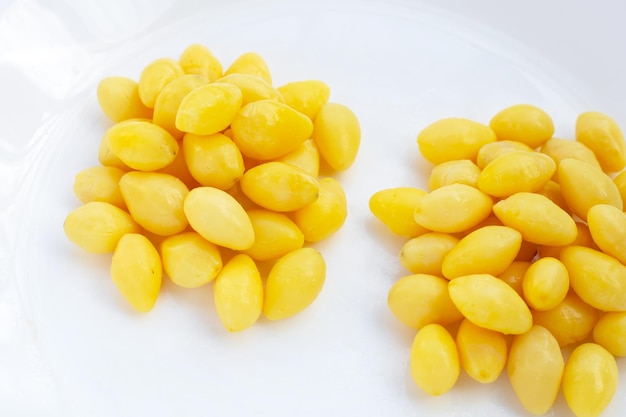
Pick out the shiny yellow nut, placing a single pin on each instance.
(599, 279)
(570, 322)
(337, 134)
(560, 149)
(208, 109)
(482, 352)
(492, 150)
(620, 183)
(238, 293)
(119, 99)
(280, 187)
(250, 63)
(189, 260)
(252, 88)
(155, 201)
(305, 157)
(452, 208)
(589, 380)
(307, 97)
(489, 302)
(267, 129)
(545, 284)
(583, 186)
(395, 208)
(324, 216)
(523, 123)
(537, 218)
(425, 254)
(142, 145)
(154, 77)
(535, 368)
(461, 171)
(219, 218)
(435, 364)
(213, 160)
(275, 235)
(452, 139)
(514, 275)
(607, 226)
(293, 283)
(97, 227)
(99, 183)
(515, 172)
(603, 136)
(488, 250)
(136, 271)
(199, 60)
(107, 158)
(583, 238)
(421, 299)
(168, 102)
(552, 190)
(610, 332)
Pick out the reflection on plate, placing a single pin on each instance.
(75, 347)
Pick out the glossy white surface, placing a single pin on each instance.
(70, 346)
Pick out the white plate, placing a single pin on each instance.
(70, 346)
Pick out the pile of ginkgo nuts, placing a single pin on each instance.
(211, 176)
(517, 256)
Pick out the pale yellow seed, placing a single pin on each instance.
(603, 136)
(250, 63)
(326, 215)
(307, 97)
(189, 260)
(488, 250)
(136, 271)
(395, 208)
(589, 380)
(337, 134)
(461, 171)
(198, 59)
(97, 227)
(452, 208)
(219, 218)
(208, 109)
(275, 235)
(280, 187)
(99, 183)
(523, 123)
(213, 160)
(420, 299)
(154, 77)
(435, 364)
(490, 303)
(599, 279)
(238, 293)
(535, 368)
(583, 186)
(142, 145)
(452, 139)
(482, 352)
(425, 254)
(293, 283)
(545, 284)
(155, 201)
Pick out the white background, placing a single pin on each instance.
(70, 346)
